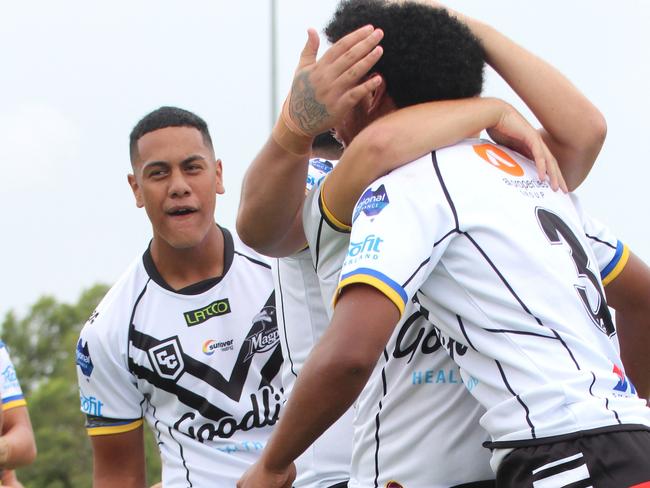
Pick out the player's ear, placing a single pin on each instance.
(376, 97)
(135, 188)
(219, 175)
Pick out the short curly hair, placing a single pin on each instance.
(167, 117)
(428, 54)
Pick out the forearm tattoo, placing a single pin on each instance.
(306, 111)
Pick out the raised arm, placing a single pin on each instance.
(274, 186)
(411, 132)
(573, 128)
(118, 460)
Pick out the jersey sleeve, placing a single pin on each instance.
(108, 391)
(327, 239)
(12, 394)
(398, 233)
(611, 254)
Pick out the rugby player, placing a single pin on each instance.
(353, 249)
(17, 445)
(303, 321)
(187, 338)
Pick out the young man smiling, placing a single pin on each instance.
(187, 338)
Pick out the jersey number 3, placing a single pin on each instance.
(558, 232)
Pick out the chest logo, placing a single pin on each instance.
(167, 359)
(200, 315)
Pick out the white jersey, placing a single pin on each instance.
(202, 365)
(501, 265)
(404, 434)
(302, 319)
(10, 391)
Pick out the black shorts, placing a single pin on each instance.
(608, 460)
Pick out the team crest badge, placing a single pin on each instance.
(167, 359)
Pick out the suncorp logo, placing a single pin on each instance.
(211, 345)
(498, 158)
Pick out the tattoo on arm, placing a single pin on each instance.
(305, 110)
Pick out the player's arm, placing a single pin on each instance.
(17, 444)
(573, 128)
(411, 132)
(118, 460)
(330, 381)
(269, 216)
(629, 294)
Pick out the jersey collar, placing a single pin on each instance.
(201, 286)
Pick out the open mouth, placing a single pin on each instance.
(180, 211)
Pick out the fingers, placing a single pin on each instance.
(348, 61)
(310, 51)
(352, 75)
(353, 96)
(345, 43)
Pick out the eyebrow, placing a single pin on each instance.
(165, 164)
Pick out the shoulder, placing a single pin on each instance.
(245, 253)
(112, 315)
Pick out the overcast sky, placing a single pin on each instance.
(75, 76)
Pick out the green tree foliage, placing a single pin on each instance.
(42, 346)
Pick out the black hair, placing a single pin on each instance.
(428, 54)
(325, 143)
(167, 117)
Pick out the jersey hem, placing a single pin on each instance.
(8, 405)
(564, 437)
(616, 265)
(329, 217)
(377, 280)
(114, 429)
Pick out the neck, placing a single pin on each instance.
(183, 267)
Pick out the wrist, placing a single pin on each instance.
(289, 136)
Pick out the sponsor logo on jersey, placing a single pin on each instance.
(323, 166)
(200, 315)
(9, 378)
(265, 411)
(211, 345)
(93, 316)
(83, 359)
(264, 335)
(91, 405)
(623, 385)
(371, 203)
(498, 158)
(167, 358)
(368, 248)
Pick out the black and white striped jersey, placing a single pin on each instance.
(202, 365)
(302, 319)
(415, 423)
(501, 265)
